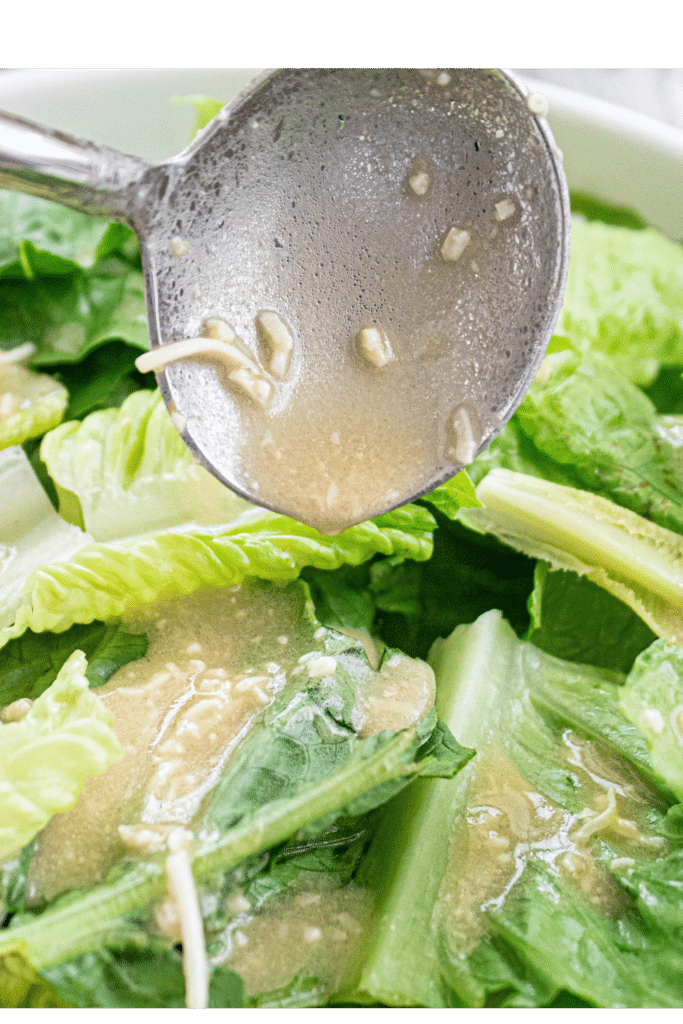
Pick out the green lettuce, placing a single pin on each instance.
(652, 699)
(584, 424)
(137, 976)
(47, 756)
(535, 934)
(105, 581)
(625, 297)
(30, 403)
(635, 560)
(29, 664)
(69, 316)
(577, 620)
(127, 471)
(31, 532)
(39, 238)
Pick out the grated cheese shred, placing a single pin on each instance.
(183, 890)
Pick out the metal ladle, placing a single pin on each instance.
(427, 206)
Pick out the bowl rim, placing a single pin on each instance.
(564, 102)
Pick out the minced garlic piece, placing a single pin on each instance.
(375, 347)
(179, 247)
(466, 443)
(9, 405)
(254, 385)
(19, 354)
(505, 209)
(537, 104)
(455, 243)
(279, 339)
(319, 667)
(218, 329)
(419, 183)
(17, 710)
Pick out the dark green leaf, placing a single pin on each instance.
(22, 987)
(342, 599)
(136, 978)
(102, 380)
(29, 663)
(666, 391)
(595, 209)
(579, 621)
(442, 756)
(41, 238)
(67, 317)
(467, 575)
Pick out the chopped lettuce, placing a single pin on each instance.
(105, 581)
(205, 107)
(632, 558)
(652, 699)
(575, 619)
(625, 297)
(127, 471)
(39, 238)
(568, 893)
(584, 424)
(29, 664)
(484, 883)
(67, 317)
(149, 974)
(31, 532)
(30, 403)
(46, 757)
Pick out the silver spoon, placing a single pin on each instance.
(381, 254)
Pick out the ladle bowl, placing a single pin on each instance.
(422, 211)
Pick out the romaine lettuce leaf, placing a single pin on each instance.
(80, 923)
(69, 316)
(31, 532)
(575, 619)
(632, 558)
(104, 581)
(42, 238)
(31, 662)
(47, 756)
(453, 927)
(205, 107)
(625, 297)
(603, 435)
(21, 986)
(584, 424)
(652, 699)
(149, 974)
(102, 380)
(30, 403)
(124, 472)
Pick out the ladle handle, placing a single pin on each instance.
(53, 165)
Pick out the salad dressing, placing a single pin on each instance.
(509, 824)
(216, 660)
(313, 931)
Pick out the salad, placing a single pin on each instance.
(435, 760)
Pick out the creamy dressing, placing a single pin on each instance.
(509, 824)
(313, 931)
(216, 660)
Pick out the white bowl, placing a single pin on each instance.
(610, 152)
